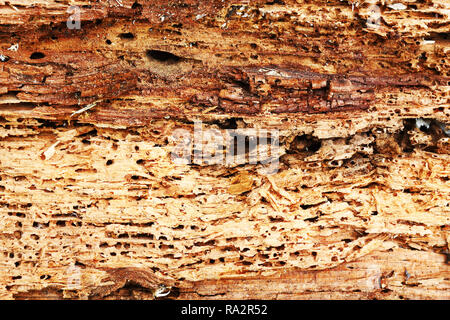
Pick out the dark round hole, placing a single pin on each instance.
(162, 56)
(126, 35)
(136, 5)
(37, 55)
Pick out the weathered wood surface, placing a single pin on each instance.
(92, 204)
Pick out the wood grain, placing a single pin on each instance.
(93, 206)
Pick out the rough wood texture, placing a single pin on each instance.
(92, 204)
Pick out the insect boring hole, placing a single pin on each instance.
(162, 57)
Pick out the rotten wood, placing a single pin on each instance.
(92, 204)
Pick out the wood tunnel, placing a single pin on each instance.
(341, 190)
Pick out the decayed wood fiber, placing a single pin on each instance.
(93, 206)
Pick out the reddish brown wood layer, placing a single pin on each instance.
(92, 204)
